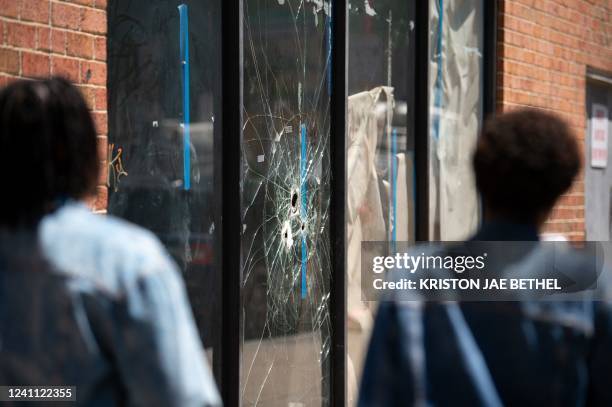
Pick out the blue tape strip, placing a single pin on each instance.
(394, 186)
(304, 195)
(184, 48)
(438, 84)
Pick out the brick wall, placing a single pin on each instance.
(544, 48)
(39, 38)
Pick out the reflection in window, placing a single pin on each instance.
(380, 151)
(285, 204)
(456, 82)
(158, 177)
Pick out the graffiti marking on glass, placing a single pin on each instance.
(115, 167)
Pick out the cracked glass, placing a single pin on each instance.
(380, 152)
(163, 95)
(285, 243)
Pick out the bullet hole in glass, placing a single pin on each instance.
(294, 200)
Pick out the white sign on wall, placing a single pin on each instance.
(599, 136)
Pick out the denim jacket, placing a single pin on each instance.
(490, 353)
(95, 302)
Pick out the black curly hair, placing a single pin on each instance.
(524, 161)
(49, 149)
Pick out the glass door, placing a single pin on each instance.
(285, 198)
(163, 97)
(380, 151)
(232, 126)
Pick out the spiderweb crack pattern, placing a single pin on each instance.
(286, 266)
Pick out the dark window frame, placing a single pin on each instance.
(232, 12)
(228, 169)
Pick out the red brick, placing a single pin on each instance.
(34, 65)
(101, 4)
(9, 61)
(9, 8)
(43, 38)
(58, 41)
(88, 95)
(93, 73)
(83, 2)
(100, 99)
(567, 213)
(79, 45)
(35, 10)
(100, 48)
(66, 15)
(103, 173)
(94, 21)
(563, 226)
(66, 67)
(20, 35)
(98, 200)
(101, 121)
(101, 198)
(102, 148)
(570, 200)
(543, 61)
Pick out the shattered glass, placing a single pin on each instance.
(285, 196)
(456, 86)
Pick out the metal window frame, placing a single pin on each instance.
(421, 120)
(231, 136)
(229, 232)
(228, 146)
(228, 169)
(229, 139)
(490, 59)
(490, 69)
(339, 111)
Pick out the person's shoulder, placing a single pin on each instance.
(100, 247)
(75, 222)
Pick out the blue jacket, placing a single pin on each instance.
(490, 353)
(94, 302)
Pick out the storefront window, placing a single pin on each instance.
(456, 109)
(163, 75)
(285, 201)
(164, 90)
(380, 152)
